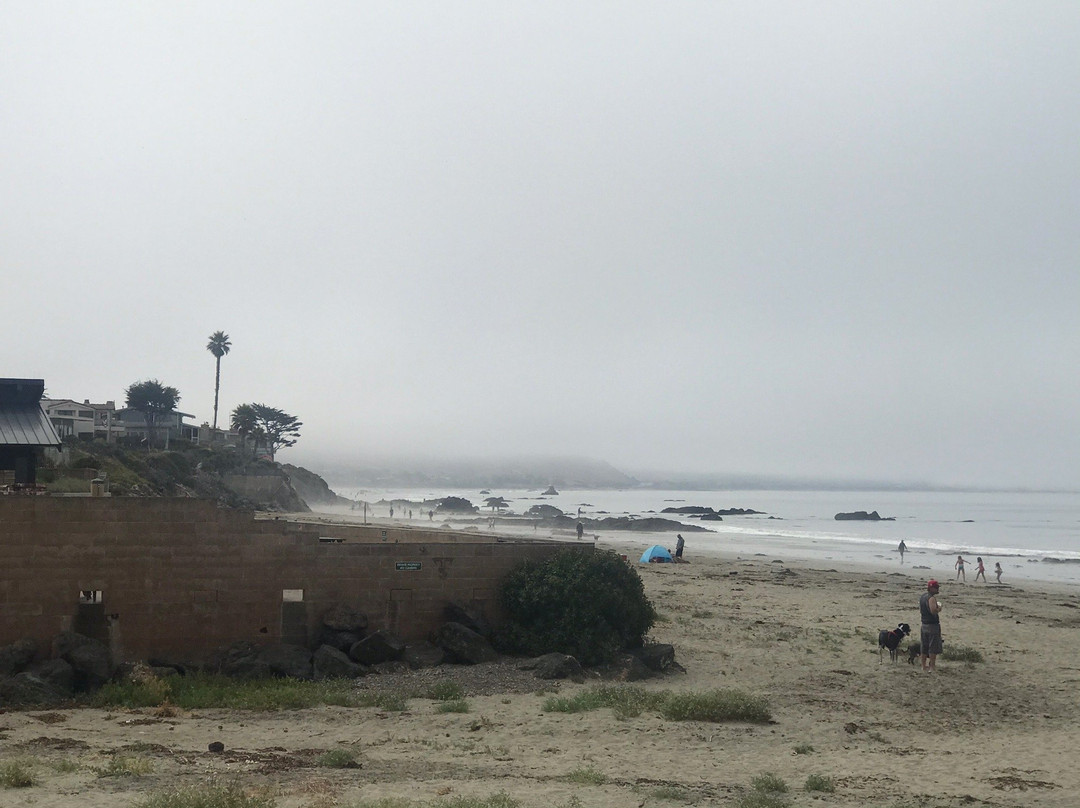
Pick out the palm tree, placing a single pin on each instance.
(219, 346)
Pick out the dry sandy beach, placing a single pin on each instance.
(1002, 732)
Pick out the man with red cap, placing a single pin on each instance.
(931, 626)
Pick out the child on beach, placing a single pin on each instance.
(960, 568)
(980, 571)
(997, 570)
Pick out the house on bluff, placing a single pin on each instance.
(180, 578)
(25, 432)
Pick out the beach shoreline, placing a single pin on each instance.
(1000, 732)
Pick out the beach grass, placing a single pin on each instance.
(445, 691)
(803, 749)
(214, 691)
(499, 799)
(125, 766)
(769, 783)
(17, 774)
(961, 653)
(762, 799)
(717, 706)
(337, 759)
(587, 776)
(454, 706)
(630, 701)
(209, 796)
(819, 782)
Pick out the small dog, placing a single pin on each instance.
(892, 639)
(914, 651)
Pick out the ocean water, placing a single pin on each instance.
(1035, 536)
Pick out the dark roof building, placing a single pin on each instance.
(24, 431)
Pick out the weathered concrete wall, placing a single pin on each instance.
(178, 578)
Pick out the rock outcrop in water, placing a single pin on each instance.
(863, 516)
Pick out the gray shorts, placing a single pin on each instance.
(931, 639)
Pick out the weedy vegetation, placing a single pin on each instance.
(17, 774)
(587, 776)
(630, 701)
(125, 766)
(961, 653)
(213, 691)
(211, 796)
(819, 782)
(769, 783)
(455, 706)
(337, 759)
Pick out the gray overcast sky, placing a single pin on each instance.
(829, 239)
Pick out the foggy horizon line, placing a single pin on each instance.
(338, 470)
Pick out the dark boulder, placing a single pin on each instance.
(25, 690)
(656, 656)
(287, 660)
(330, 663)
(16, 657)
(711, 517)
(551, 492)
(472, 621)
(341, 640)
(90, 660)
(462, 644)
(555, 666)
(626, 668)
(225, 660)
(424, 655)
(544, 512)
(341, 617)
(55, 672)
(381, 646)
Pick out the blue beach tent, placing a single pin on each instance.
(655, 553)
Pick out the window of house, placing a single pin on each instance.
(292, 595)
(86, 413)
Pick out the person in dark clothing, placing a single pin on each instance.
(580, 530)
(930, 637)
(679, 547)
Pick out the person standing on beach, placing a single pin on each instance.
(960, 568)
(902, 548)
(930, 637)
(679, 544)
(997, 570)
(980, 570)
(580, 530)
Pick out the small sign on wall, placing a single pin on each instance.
(408, 565)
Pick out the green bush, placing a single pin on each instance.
(588, 605)
(337, 759)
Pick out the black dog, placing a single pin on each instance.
(891, 640)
